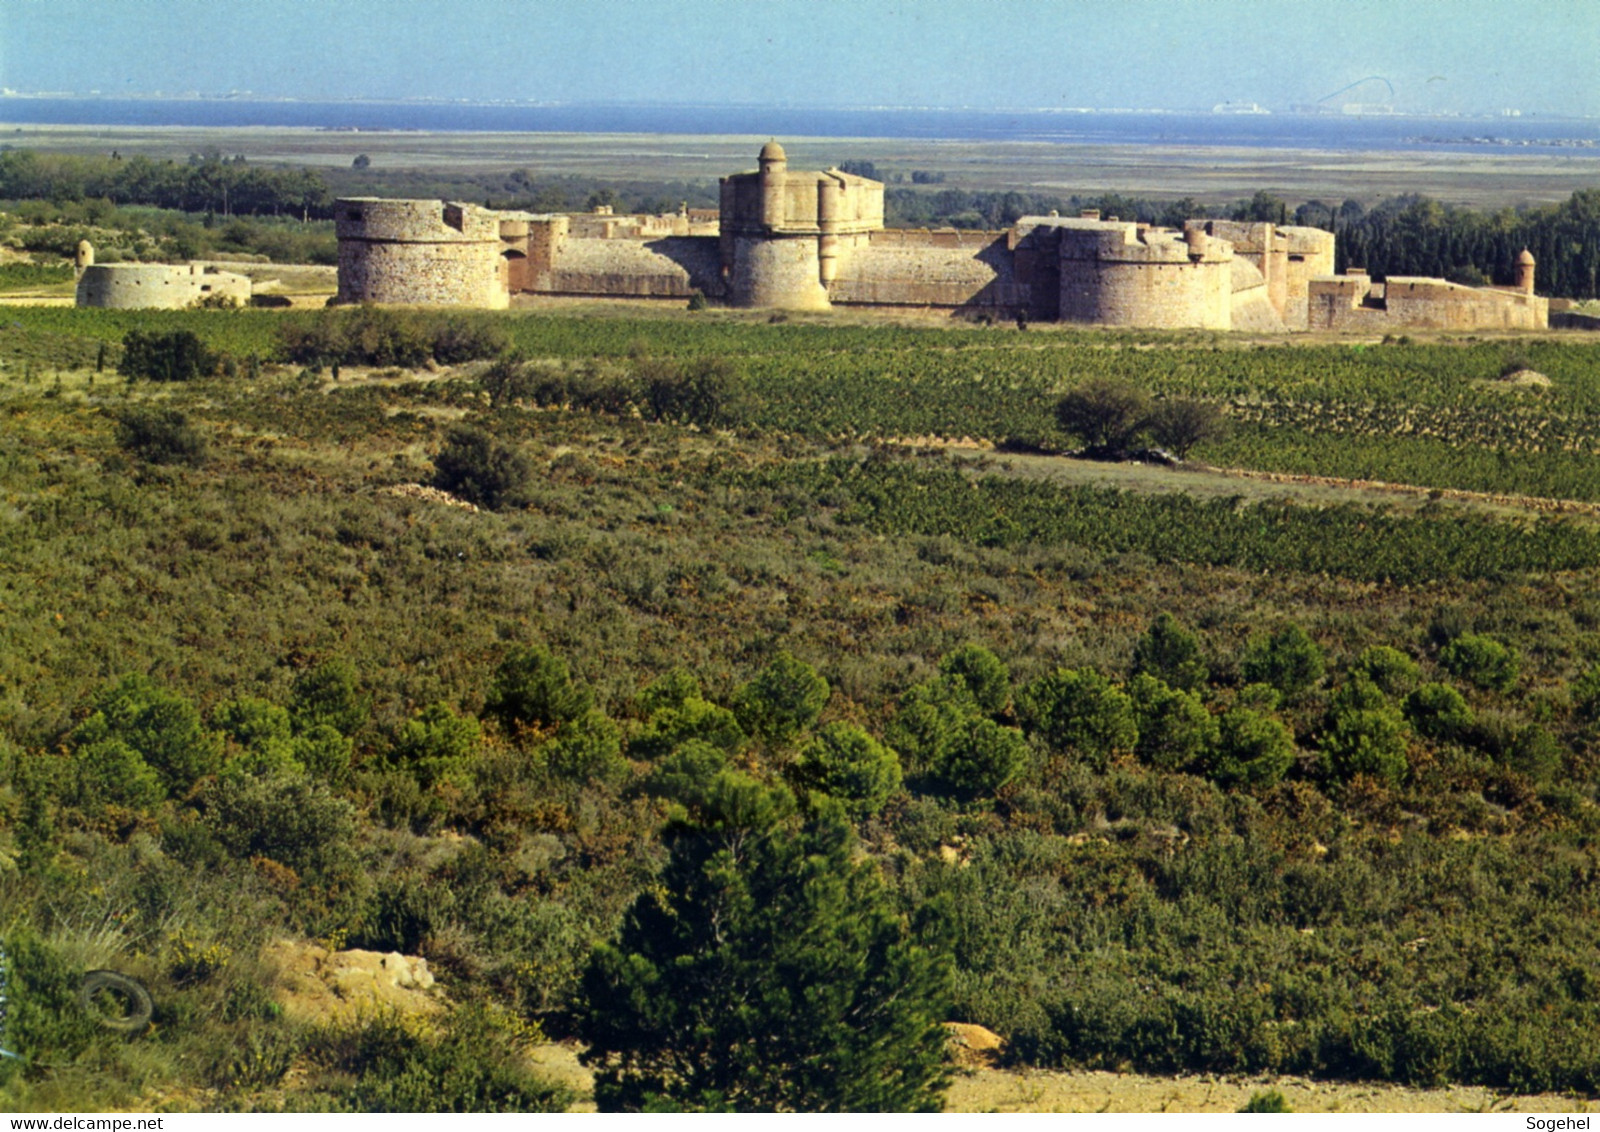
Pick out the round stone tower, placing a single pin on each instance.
(1525, 272)
(419, 251)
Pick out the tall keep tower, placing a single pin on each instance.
(784, 232)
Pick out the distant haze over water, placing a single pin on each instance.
(1277, 131)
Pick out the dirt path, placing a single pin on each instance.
(994, 1090)
(1204, 481)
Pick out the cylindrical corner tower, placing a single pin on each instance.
(418, 251)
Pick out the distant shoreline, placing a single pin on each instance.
(1068, 126)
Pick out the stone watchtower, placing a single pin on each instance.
(784, 232)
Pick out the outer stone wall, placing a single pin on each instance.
(157, 285)
(414, 251)
(673, 268)
(1354, 303)
(932, 269)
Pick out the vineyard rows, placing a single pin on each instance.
(1357, 543)
(1424, 414)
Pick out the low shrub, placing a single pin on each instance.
(177, 355)
(160, 436)
(475, 466)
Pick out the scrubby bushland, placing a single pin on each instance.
(367, 718)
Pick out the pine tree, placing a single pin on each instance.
(766, 971)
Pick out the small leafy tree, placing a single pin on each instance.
(1172, 653)
(436, 745)
(162, 726)
(588, 749)
(784, 700)
(1534, 752)
(1252, 750)
(1106, 415)
(326, 696)
(693, 718)
(767, 970)
(110, 771)
(1391, 670)
(263, 735)
(475, 466)
(927, 715)
(1481, 660)
(706, 392)
(1586, 695)
(177, 355)
(533, 688)
(1175, 728)
(1180, 424)
(1269, 1101)
(1439, 712)
(977, 757)
(846, 763)
(985, 675)
(1365, 734)
(1079, 711)
(1289, 660)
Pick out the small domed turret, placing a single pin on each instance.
(1525, 267)
(774, 177)
(84, 257)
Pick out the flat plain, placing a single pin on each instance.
(1493, 178)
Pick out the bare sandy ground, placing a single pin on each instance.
(994, 1090)
(1002, 1090)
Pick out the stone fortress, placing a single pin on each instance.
(792, 239)
(165, 286)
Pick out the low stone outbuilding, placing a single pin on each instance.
(161, 286)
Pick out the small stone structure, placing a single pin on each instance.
(155, 285)
(1352, 301)
(814, 239)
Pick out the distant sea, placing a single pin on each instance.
(1273, 131)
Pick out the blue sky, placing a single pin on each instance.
(1440, 55)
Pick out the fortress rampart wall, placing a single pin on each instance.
(1309, 253)
(671, 268)
(920, 272)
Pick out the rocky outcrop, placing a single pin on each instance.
(318, 985)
